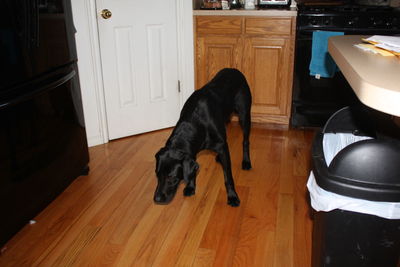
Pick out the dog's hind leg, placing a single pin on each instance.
(243, 106)
(245, 123)
(225, 160)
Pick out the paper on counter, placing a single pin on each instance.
(383, 39)
(394, 49)
(374, 49)
(389, 43)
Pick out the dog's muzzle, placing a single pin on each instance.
(164, 196)
(160, 198)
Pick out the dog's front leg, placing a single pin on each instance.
(225, 160)
(190, 168)
(190, 188)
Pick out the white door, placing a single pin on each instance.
(138, 46)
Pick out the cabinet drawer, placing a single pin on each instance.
(269, 26)
(218, 25)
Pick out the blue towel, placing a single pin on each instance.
(322, 63)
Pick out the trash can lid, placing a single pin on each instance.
(368, 169)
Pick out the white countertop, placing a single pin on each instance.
(374, 78)
(290, 12)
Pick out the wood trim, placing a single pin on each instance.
(185, 48)
(291, 69)
(272, 119)
(90, 73)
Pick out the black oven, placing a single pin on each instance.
(315, 99)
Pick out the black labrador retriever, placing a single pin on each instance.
(202, 126)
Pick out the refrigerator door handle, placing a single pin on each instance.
(40, 87)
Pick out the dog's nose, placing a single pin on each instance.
(160, 198)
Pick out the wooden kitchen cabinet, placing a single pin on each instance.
(261, 47)
(216, 53)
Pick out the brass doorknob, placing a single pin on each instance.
(106, 14)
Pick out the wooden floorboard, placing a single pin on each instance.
(108, 218)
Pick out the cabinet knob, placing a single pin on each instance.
(106, 14)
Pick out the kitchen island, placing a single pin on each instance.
(374, 78)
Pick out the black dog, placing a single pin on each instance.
(202, 126)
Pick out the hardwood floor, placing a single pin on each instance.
(109, 218)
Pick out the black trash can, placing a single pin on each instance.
(363, 170)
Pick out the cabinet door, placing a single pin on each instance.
(267, 67)
(214, 53)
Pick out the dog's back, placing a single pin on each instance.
(221, 94)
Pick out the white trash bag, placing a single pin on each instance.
(322, 200)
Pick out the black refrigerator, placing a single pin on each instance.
(43, 145)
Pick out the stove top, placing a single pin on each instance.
(348, 17)
(320, 9)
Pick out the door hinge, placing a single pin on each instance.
(179, 86)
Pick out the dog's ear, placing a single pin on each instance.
(161, 151)
(190, 168)
(158, 155)
(168, 154)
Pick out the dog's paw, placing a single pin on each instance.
(246, 165)
(234, 201)
(188, 191)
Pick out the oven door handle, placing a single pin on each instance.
(304, 38)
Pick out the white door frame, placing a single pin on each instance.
(85, 18)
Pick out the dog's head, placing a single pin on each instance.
(172, 167)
